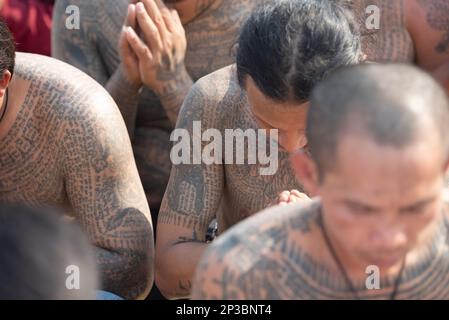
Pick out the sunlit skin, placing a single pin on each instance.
(380, 203)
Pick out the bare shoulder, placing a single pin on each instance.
(428, 24)
(63, 87)
(219, 84)
(212, 98)
(257, 258)
(38, 67)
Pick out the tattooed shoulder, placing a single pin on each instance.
(209, 99)
(438, 19)
(93, 46)
(260, 257)
(194, 191)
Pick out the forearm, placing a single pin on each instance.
(175, 269)
(126, 96)
(172, 92)
(441, 74)
(127, 273)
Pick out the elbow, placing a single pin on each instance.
(138, 276)
(134, 272)
(146, 276)
(144, 262)
(164, 286)
(169, 283)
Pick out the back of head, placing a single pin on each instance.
(7, 49)
(393, 104)
(288, 46)
(41, 257)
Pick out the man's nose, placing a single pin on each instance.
(292, 141)
(389, 238)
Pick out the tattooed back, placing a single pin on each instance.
(53, 106)
(281, 254)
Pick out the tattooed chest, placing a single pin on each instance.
(384, 35)
(247, 192)
(390, 45)
(212, 38)
(30, 168)
(209, 51)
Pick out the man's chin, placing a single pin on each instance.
(387, 262)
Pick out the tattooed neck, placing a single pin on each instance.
(418, 265)
(193, 9)
(438, 19)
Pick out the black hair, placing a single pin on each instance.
(7, 49)
(37, 250)
(288, 46)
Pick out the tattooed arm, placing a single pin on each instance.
(94, 48)
(428, 25)
(190, 203)
(106, 194)
(254, 259)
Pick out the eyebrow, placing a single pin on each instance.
(362, 204)
(408, 207)
(418, 204)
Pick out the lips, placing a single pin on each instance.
(387, 261)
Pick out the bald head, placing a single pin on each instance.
(394, 105)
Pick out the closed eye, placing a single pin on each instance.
(361, 209)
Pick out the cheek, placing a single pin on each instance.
(349, 228)
(417, 225)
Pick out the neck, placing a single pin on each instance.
(189, 10)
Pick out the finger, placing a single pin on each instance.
(167, 15)
(169, 21)
(131, 17)
(138, 46)
(160, 4)
(173, 22)
(148, 28)
(176, 17)
(284, 196)
(155, 14)
(300, 195)
(125, 49)
(296, 193)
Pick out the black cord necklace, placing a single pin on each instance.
(5, 106)
(343, 271)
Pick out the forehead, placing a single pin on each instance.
(361, 164)
(285, 115)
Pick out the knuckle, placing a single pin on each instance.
(166, 14)
(152, 30)
(168, 45)
(158, 19)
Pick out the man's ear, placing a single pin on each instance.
(306, 172)
(446, 168)
(4, 82)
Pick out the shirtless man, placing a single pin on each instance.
(390, 123)
(409, 31)
(209, 28)
(64, 144)
(219, 101)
